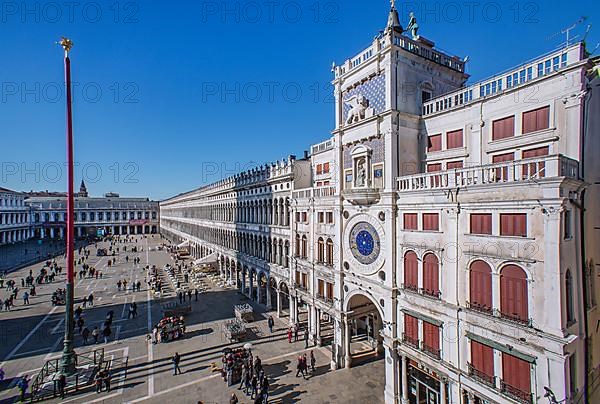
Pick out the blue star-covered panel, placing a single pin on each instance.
(373, 90)
(377, 145)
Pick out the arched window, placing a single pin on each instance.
(304, 247)
(329, 251)
(480, 286)
(411, 271)
(297, 247)
(513, 294)
(320, 250)
(569, 297)
(431, 284)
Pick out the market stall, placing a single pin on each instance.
(170, 328)
(234, 330)
(244, 312)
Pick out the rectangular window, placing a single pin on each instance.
(508, 81)
(321, 288)
(319, 169)
(535, 120)
(325, 168)
(329, 217)
(502, 173)
(513, 224)
(540, 69)
(297, 216)
(431, 338)
(434, 143)
(432, 168)
(535, 169)
(516, 375)
(481, 223)
(451, 165)
(431, 222)
(503, 128)
(482, 360)
(304, 217)
(567, 224)
(329, 290)
(454, 139)
(410, 221)
(411, 328)
(321, 216)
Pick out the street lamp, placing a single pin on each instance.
(68, 360)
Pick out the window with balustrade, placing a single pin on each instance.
(320, 250)
(516, 377)
(411, 271)
(481, 366)
(514, 303)
(329, 252)
(431, 284)
(411, 330)
(480, 286)
(431, 339)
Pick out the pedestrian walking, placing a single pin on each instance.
(196, 293)
(98, 381)
(23, 384)
(25, 298)
(254, 386)
(176, 359)
(85, 333)
(271, 323)
(313, 361)
(289, 335)
(91, 299)
(189, 293)
(305, 339)
(80, 323)
(180, 297)
(296, 332)
(233, 399)
(304, 366)
(243, 379)
(299, 367)
(95, 334)
(85, 300)
(106, 380)
(106, 333)
(264, 388)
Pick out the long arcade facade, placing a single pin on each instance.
(449, 228)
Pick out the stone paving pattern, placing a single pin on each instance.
(32, 334)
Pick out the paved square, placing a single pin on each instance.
(32, 334)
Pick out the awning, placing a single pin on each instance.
(184, 244)
(209, 259)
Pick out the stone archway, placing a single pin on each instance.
(362, 325)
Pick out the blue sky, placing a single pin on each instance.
(172, 95)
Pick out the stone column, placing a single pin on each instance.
(347, 340)
(442, 392)
(404, 360)
(243, 282)
(318, 316)
(269, 307)
(251, 291)
(278, 303)
(391, 375)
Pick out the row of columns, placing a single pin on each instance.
(14, 236)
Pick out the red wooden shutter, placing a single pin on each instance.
(535, 169)
(502, 173)
(411, 270)
(410, 221)
(535, 120)
(411, 327)
(482, 358)
(513, 293)
(480, 285)
(503, 128)
(513, 224)
(431, 275)
(325, 168)
(431, 335)
(431, 221)
(431, 168)
(481, 223)
(330, 290)
(454, 164)
(454, 139)
(435, 143)
(516, 372)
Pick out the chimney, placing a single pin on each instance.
(306, 154)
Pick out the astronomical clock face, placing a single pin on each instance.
(364, 243)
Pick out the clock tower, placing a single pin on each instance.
(379, 94)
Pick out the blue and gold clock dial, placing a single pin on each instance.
(364, 243)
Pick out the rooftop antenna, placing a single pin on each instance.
(567, 31)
